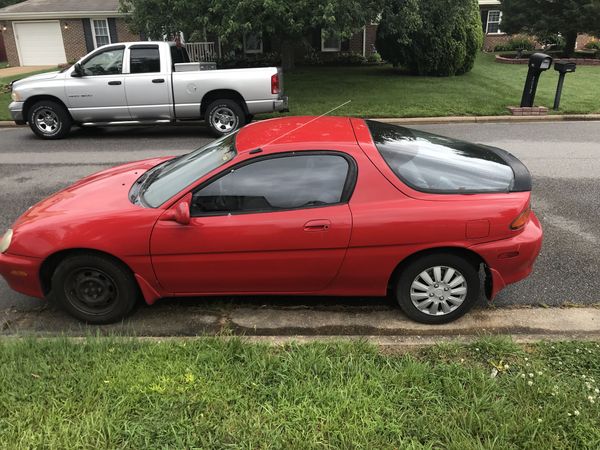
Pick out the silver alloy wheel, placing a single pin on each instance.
(224, 120)
(47, 121)
(438, 291)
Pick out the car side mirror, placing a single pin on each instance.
(180, 213)
(77, 70)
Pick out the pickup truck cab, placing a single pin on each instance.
(144, 83)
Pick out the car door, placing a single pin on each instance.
(147, 84)
(275, 224)
(99, 94)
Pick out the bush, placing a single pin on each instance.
(312, 58)
(593, 45)
(374, 58)
(518, 44)
(244, 61)
(427, 37)
(552, 41)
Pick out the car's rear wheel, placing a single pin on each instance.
(224, 117)
(438, 288)
(49, 120)
(94, 288)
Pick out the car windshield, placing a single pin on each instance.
(166, 180)
(430, 163)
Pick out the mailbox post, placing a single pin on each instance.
(563, 68)
(538, 63)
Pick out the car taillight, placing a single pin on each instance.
(521, 219)
(275, 84)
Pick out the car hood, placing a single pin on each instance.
(102, 193)
(38, 77)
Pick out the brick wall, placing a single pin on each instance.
(73, 39)
(12, 56)
(491, 40)
(123, 32)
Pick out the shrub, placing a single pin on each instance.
(593, 45)
(521, 44)
(374, 58)
(427, 37)
(552, 41)
(312, 58)
(243, 61)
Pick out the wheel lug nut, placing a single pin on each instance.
(441, 297)
(436, 285)
(445, 288)
(431, 294)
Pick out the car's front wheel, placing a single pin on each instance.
(438, 288)
(49, 120)
(94, 288)
(224, 117)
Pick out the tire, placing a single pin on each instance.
(49, 120)
(94, 288)
(249, 118)
(416, 300)
(224, 117)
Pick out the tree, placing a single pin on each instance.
(440, 37)
(288, 22)
(543, 17)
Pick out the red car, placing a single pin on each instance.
(297, 205)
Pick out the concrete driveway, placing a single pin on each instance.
(564, 158)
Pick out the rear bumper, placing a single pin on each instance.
(21, 274)
(267, 106)
(16, 112)
(511, 260)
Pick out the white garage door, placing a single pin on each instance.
(40, 43)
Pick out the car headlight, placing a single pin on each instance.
(16, 96)
(5, 243)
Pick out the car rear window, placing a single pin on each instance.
(431, 163)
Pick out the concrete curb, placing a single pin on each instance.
(449, 120)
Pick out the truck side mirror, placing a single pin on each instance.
(77, 70)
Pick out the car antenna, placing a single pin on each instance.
(304, 124)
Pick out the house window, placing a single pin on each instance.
(493, 21)
(101, 33)
(330, 41)
(253, 43)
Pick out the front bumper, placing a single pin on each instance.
(16, 112)
(22, 274)
(511, 260)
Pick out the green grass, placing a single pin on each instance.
(378, 91)
(3, 64)
(217, 393)
(5, 92)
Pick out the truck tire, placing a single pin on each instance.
(49, 120)
(224, 117)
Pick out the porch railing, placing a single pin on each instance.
(201, 51)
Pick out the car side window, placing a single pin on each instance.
(275, 184)
(108, 62)
(144, 59)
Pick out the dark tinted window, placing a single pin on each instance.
(144, 60)
(179, 55)
(300, 181)
(432, 163)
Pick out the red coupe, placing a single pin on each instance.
(295, 206)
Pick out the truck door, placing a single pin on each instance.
(99, 94)
(147, 84)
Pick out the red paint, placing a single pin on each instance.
(348, 249)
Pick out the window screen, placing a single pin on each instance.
(290, 182)
(432, 163)
(144, 59)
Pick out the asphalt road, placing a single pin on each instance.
(564, 158)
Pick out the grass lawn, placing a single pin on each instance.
(3, 64)
(486, 90)
(5, 93)
(217, 393)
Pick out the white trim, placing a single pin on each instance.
(499, 21)
(59, 15)
(489, 2)
(331, 49)
(254, 51)
(94, 31)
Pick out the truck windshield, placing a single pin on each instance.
(165, 180)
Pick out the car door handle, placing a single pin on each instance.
(158, 80)
(114, 83)
(317, 225)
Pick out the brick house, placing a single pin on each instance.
(48, 32)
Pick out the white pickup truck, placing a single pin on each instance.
(144, 83)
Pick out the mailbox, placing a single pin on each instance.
(538, 63)
(563, 68)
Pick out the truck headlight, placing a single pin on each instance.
(16, 96)
(5, 243)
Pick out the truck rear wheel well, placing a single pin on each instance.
(37, 98)
(219, 94)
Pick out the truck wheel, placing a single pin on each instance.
(94, 288)
(49, 120)
(224, 117)
(437, 288)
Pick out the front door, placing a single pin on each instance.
(147, 84)
(99, 95)
(274, 225)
